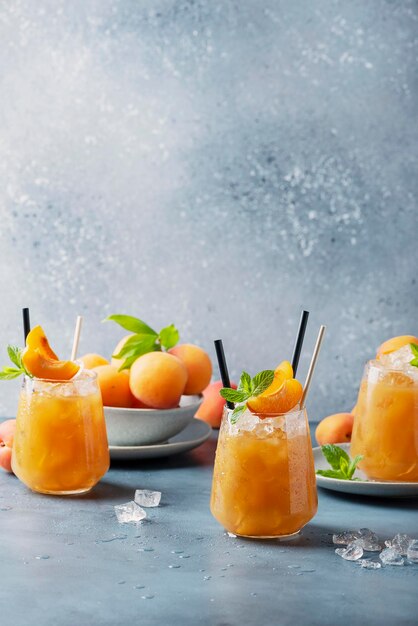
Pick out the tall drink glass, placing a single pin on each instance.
(264, 479)
(60, 445)
(386, 423)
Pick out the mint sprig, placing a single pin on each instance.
(248, 387)
(145, 339)
(15, 355)
(343, 467)
(414, 348)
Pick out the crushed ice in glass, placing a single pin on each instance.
(399, 360)
(400, 543)
(147, 498)
(351, 553)
(129, 513)
(412, 552)
(389, 556)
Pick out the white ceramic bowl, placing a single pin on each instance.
(143, 427)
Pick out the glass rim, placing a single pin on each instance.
(265, 415)
(380, 366)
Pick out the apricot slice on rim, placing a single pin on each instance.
(285, 368)
(395, 343)
(41, 361)
(282, 400)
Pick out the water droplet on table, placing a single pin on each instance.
(139, 586)
(149, 597)
(42, 557)
(174, 566)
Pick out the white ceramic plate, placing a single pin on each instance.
(363, 487)
(191, 437)
(146, 427)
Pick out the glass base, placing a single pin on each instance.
(75, 492)
(278, 537)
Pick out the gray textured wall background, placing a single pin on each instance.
(219, 164)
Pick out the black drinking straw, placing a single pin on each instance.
(220, 354)
(26, 322)
(299, 341)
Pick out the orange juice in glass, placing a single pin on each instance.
(386, 418)
(60, 444)
(264, 479)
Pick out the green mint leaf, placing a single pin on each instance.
(135, 345)
(333, 455)
(261, 382)
(344, 464)
(414, 348)
(236, 413)
(169, 336)
(133, 324)
(331, 474)
(352, 467)
(234, 395)
(414, 362)
(245, 383)
(142, 345)
(15, 355)
(8, 373)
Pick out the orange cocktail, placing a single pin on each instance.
(60, 445)
(264, 478)
(386, 423)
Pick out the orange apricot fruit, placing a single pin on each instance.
(114, 386)
(158, 379)
(335, 428)
(198, 366)
(7, 431)
(91, 360)
(213, 404)
(40, 360)
(395, 343)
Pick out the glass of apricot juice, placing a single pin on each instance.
(386, 422)
(60, 445)
(264, 478)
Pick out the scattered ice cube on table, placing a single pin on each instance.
(351, 553)
(346, 537)
(389, 556)
(412, 552)
(147, 498)
(399, 543)
(368, 540)
(367, 564)
(129, 513)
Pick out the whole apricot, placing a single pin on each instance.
(396, 343)
(93, 360)
(158, 380)
(212, 407)
(335, 429)
(118, 362)
(198, 366)
(114, 386)
(7, 431)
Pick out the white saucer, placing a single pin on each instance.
(192, 436)
(363, 486)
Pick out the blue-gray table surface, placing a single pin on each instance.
(67, 561)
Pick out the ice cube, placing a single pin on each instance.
(147, 498)
(399, 543)
(412, 552)
(129, 512)
(368, 540)
(351, 553)
(346, 537)
(398, 360)
(389, 556)
(367, 564)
